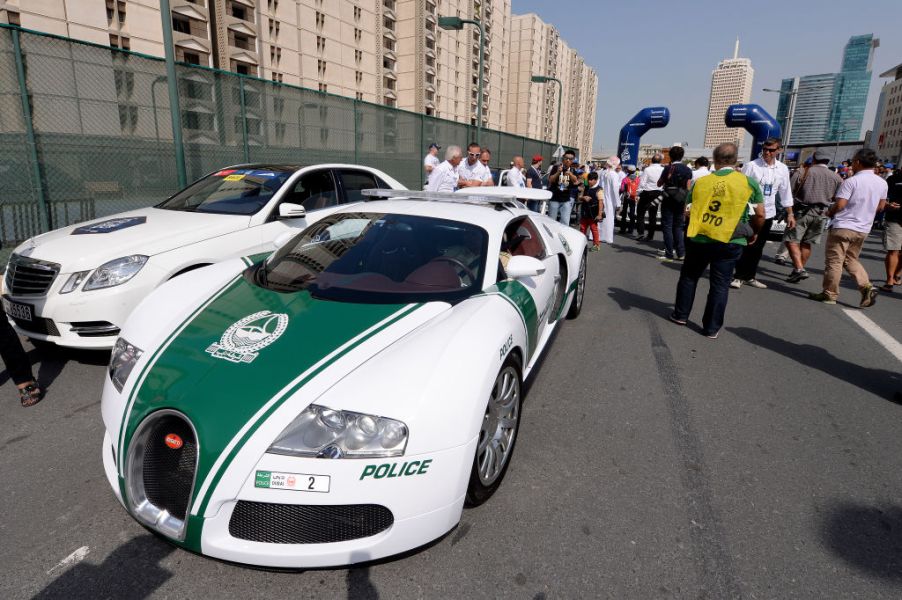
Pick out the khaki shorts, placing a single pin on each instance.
(808, 230)
(892, 236)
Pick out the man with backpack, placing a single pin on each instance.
(674, 181)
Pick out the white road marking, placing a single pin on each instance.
(876, 332)
(75, 557)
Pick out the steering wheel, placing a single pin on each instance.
(457, 263)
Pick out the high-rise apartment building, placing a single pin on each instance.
(888, 139)
(536, 48)
(830, 106)
(731, 83)
(389, 52)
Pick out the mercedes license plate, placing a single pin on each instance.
(17, 310)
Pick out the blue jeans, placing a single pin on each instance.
(672, 215)
(560, 211)
(722, 259)
(534, 205)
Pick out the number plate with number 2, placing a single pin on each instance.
(299, 482)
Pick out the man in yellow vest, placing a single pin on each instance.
(719, 228)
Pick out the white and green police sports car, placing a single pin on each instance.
(340, 400)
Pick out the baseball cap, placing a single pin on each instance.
(631, 168)
(434, 145)
(536, 158)
(822, 155)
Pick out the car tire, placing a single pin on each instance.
(496, 442)
(576, 305)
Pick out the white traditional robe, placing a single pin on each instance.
(611, 186)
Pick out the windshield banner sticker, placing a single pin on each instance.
(109, 225)
(243, 340)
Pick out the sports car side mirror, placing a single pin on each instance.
(519, 267)
(287, 210)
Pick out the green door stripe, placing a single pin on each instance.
(234, 446)
(147, 366)
(516, 293)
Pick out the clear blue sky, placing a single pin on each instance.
(662, 53)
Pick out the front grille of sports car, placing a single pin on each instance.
(162, 462)
(307, 524)
(168, 472)
(28, 276)
(38, 325)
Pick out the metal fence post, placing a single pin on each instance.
(423, 132)
(356, 143)
(176, 113)
(247, 155)
(43, 217)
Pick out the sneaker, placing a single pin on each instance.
(679, 258)
(780, 260)
(735, 284)
(677, 321)
(665, 259)
(797, 276)
(868, 296)
(712, 336)
(821, 297)
(594, 248)
(662, 252)
(755, 284)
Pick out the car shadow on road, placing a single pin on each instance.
(131, 571)
(866, 537)
(880, 382)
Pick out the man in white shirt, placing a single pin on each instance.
(701, 168)
(431, 160)
(773, 179)
(858, 200)
(515, 175)
(445, 178)
(649, 197)
(472, 172)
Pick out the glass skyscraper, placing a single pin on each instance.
(829, 107)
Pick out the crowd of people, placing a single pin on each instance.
(718, 219)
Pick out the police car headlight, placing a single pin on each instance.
(327, 433)
(122, 361)
(115, 272)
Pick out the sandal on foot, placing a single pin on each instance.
(886, 287)
(31, 394)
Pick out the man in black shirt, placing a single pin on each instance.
(675, 180)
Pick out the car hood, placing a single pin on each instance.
(146, 231)
(229, 366)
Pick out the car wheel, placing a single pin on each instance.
(577, 304)
(497, 435)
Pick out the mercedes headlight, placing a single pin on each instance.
(115, 272)
(326, 433)
(122, 361)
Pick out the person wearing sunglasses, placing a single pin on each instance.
(772, 177)
(472, 172)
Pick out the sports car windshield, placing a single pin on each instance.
(378, 258)
(230, 191)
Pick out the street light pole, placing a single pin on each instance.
(560, 97)
(456, 23)
(174, 109)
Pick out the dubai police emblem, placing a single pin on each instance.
(243, 340)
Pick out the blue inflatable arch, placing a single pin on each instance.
(652, 117)
(756, 121)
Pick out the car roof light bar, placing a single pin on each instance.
(494, 200)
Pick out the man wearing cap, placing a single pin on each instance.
(560, 180)
(629, 195)
(431, 161)
(534, 180)
(814, 188)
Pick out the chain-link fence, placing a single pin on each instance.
(86, 130)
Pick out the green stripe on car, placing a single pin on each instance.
(519, 297)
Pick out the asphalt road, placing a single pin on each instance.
(652, 463)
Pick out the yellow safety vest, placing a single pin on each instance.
(718, 203)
